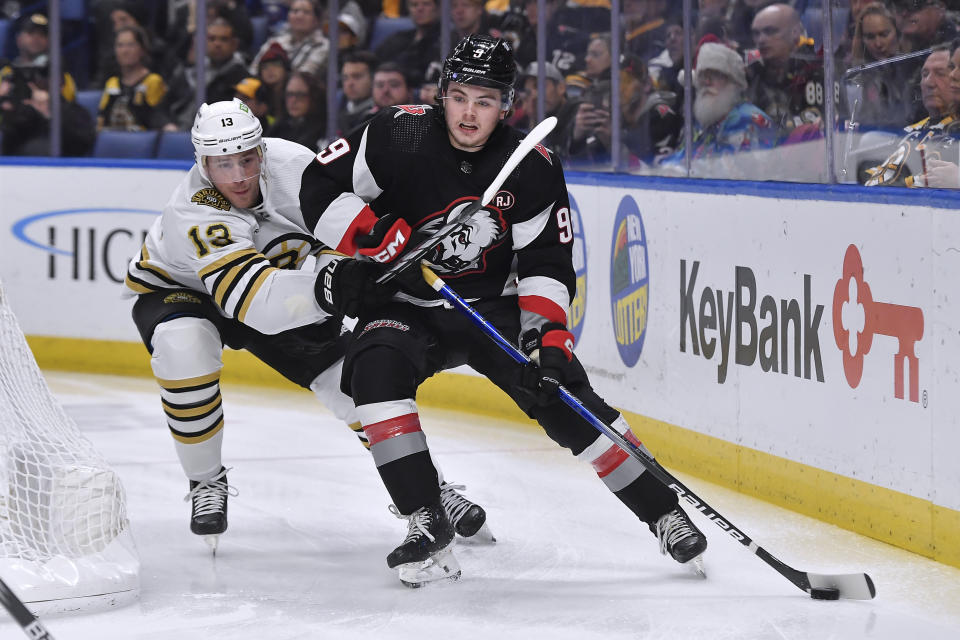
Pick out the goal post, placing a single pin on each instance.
(65, 542)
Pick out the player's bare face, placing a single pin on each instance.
(471, 113)
(237, 177)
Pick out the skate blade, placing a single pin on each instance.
(212, 541)
(483, 536)
(696, 565)
(440, 566)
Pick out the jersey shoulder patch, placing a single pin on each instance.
(411, 109)
(542, 150)
(212, 198)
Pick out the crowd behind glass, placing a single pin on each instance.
(755, 90)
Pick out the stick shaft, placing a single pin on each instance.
(799, 578)
(31, 626)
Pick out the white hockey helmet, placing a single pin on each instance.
(224, 128)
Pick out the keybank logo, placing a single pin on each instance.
(578, 306)
(857, 318)
(781, 332)
(86, 244)
(629, 281)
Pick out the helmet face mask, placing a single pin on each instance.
(225, 129)
(483, 61)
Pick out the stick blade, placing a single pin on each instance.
(852, 586)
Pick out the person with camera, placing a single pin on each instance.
(25, 99)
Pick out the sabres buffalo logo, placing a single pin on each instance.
(464, 249)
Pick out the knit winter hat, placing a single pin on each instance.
(723, 59)
(276, 53)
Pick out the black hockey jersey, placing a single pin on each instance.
(402, 162)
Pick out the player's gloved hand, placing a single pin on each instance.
(386, 240)
(348, 287)
(551, 351)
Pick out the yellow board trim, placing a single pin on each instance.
(890, 516)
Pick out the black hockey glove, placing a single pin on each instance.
(551, 351)
(386, 240)
(348, 287)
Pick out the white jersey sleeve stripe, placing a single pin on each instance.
(364, 184)
(337, 226)
(526, 232)
(545, 287)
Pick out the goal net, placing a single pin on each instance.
(65, 543)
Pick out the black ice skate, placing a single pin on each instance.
(468, 518)
(426, 554)
(680, 538)
(209, 513)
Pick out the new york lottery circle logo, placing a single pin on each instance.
(629, 282)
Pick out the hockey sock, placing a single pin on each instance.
(399, 449)
(626, 477)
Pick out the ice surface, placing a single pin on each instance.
(304, 556)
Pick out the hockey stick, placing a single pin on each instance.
(31, 626)
(853, 586)
(416, 254)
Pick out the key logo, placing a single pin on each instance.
(857, 318)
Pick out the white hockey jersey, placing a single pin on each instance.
(247, 260)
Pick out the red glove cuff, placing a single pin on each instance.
(393, 244)
(560, 339)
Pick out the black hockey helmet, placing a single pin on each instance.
(482, 60)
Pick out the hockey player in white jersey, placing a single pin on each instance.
(222, 266)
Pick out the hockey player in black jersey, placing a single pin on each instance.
(405, 173)
(222, 266)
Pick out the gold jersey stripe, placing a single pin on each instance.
(194, 411)
(251, 292)
(203, 437)
(229, 279)
(133, 285)
(173, 385)
(215, 266)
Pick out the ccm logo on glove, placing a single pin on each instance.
(386, 240)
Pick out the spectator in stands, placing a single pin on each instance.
(727, 125)
(133, 99)
(429, 88)
(650, 126)
(391, 86)
(645, 27)
(33, 41)
(356, 78)
(942, 169)
(923, 23)
(469, 17)
(225, 67)
(934, 137)
(128, 13)
(32, 61)
(25, 115)
(305, 118)
(596, 62)
(273, 70)
(183, 23)
(555, 103)
(785, 78)
(884, 98)
(415, 49)
(252, 92)
(665, 68)
(353, 28)
(303, 41)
